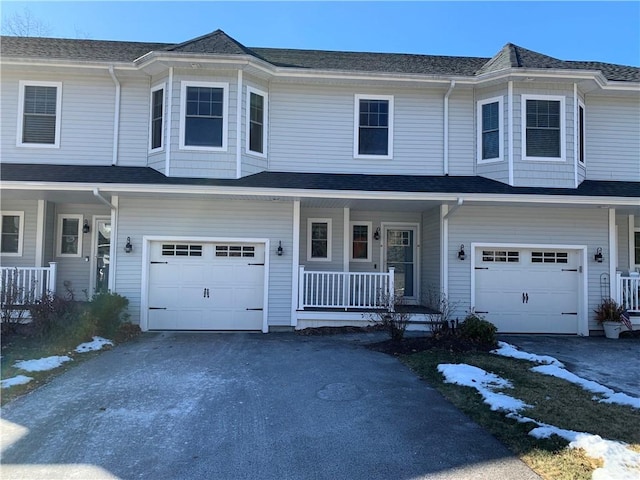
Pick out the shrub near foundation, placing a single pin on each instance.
(478, 330)
(108, 311)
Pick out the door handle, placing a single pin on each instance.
(204, 293)
(207, 291)
(525, 297)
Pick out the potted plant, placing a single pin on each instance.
(608, 315)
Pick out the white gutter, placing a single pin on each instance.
(116, 117)
(455, 207)
(239, 127)
(96, 193)
(167, 136)
(446, 127)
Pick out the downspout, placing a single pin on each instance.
(510, 131)
(116, 116)
(455, 207)
(239, 127)
(98, 195)
(446, 127)
(167, 134)
(575, 135)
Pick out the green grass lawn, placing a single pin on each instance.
(554, 401)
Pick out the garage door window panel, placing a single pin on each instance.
(549, 257)
(181, 250)
(500, 256)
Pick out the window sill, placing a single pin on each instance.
(204, 149)
(373, 157)
(545, 159)
(490, 160)
(38, 145)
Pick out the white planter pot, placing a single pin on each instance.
(612, 329)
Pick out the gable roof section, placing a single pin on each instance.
(219, 43)
(35, 173)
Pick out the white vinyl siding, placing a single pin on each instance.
(257, 113)
(11, 233)
(156, 118)
(612, 138)
(373, 126)
(204, 116)
(166, 217)
(543, 127)
(527, 225)
(39, 112)
(490, 126)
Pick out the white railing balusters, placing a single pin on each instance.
(22, 285)
(628, 292)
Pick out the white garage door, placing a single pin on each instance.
(206, 286)
(528, 290)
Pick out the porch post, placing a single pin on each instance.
(346, 286)
(618, 298)
(301, 288)
(295, 263)
(392, 289)
(52, 277)
(613, 251)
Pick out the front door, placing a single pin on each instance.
(101, 261)
(400, 253)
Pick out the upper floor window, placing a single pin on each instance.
(581, 133)
(373, 126)
(319, 239)
(69, 235)
(157, 118)
(12, 233)
(39, 114)
(490, 143)
(543, 127)
(204, 117)
(256, 122)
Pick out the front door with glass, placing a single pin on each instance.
(102, 239)
(400, 253)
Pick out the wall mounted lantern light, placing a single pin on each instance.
(461, 254)
(598, 256)
(86, 228)
(280, 250)
(376, 234)
(128, 248)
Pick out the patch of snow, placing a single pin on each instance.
(485, 383)
(610, 396)
(41, 364)
(507, 350)
(17, 380)
(96, 344)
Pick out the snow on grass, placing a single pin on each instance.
(41, 364)
(485, 383)
(96, 344)
(17, 380)
(619, 461)
(507, 350)
(610, 396)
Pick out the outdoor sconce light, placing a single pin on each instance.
(376, 234)
(598, 256)
(280, 251)
(461, 254)
(85, 227)
(128, 247)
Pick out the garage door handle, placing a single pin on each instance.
(205, 293)
(157, 308)
(525, 297)
(259, 309)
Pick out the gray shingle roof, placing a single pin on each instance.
(307, 181)
(218, 42)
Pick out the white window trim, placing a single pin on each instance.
(356, 126)
(265, 96)
(225, 114)
(584, 134)
(369, 226)
(480, 104)
(310, 222)
(62, 217)
(21, 87)
(161, 86)
(6, 213)
(563, 127)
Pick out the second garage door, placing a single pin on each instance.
(528, 290)
(206, 286)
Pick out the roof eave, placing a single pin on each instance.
(64, 62)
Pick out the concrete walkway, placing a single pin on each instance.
(245, 406)
(614, 363)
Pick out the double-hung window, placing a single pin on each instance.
(319, 239)
(204, 116)
(373, 136)
(543, 128)
(11, 234)
(256, 122)
(361, 241)
(490, 144)
(156, 133)
(39, 114)
(69, 235)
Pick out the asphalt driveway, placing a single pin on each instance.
(235, 406)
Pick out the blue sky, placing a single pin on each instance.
(603, 31)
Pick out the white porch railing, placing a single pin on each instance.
(345, 289)
(629, 292)
(22, 285)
